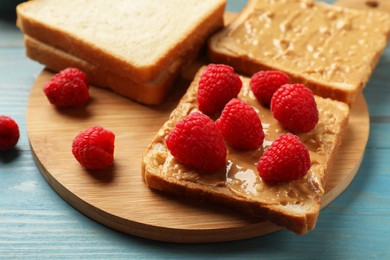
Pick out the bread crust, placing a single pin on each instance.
(88, 51)
(149, 93)
(250, 65)
(155, 157)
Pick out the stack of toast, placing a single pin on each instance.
(136, 48)
(131, 48)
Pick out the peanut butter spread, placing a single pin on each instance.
(320, 42)
(240, 175)
(377, 5)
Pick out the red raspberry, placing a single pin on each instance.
(240, 125)
(294, 106)
(9, 133)
(265, 83)
(286, 159)
(197, 143)
(217, 86)
(94, 148)
(68, 88)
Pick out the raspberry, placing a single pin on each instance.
(217, 86)
(197, 143)
(240, 125)
(293, 105)
(9, 133)
(68, 88)
(286, 159)
(94, 148)
(265, 83)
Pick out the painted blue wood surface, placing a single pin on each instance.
(36, 223)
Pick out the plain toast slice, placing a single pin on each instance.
(332, 49)
(137, 39)
(294, 205)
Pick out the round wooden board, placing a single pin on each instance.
(117, 197)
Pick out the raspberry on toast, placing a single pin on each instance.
(196, 141)
(294, 205)
(265, 82)
(240, 125)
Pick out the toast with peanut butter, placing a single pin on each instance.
(331, 49)
(372, 5)
(294, 205)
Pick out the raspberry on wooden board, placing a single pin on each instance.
(94, 147)
(68, 88)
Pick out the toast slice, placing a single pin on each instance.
(136, 39)
(332, 49)
(149, 93)
(294, 205)
(139, 40)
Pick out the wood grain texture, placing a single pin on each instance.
(118, 198)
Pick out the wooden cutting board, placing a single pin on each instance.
(117, 197)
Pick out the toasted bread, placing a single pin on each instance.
(149, 93)
(332, 49)
(139, 40)
(294, 205)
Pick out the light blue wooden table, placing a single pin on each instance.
(36, 223)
